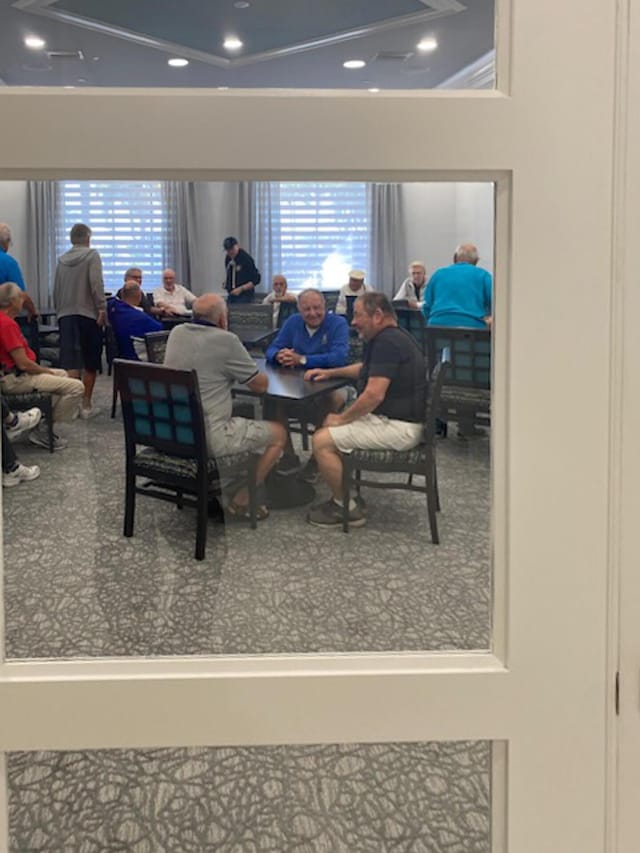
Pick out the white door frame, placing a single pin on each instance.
(548, 137)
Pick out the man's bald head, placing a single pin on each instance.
(132, 292)
(211, 307)
(466, 253)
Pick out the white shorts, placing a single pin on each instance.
(377, 432)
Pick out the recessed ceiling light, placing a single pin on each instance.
(354, 63)
(373, 90)
(177, 62)
(241, 4)
(81, 80)
(427, 44)
(223, 88)
(95, 58)
(34, 42)
(232, 43)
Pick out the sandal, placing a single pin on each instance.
(241, 512)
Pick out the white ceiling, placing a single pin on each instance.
(287, 43)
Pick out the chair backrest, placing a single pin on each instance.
(413, 322)
(286, 310)
(350, 303)
(156, 343)
(331, 299)
(400, 303)
(161, 408)
(467, 350)
(250, 314)
(436, 382)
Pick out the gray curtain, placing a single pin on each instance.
(200, 215)
(388, 253)
(265, 234)
(41, 233)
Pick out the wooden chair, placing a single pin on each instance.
(166, 443)
(466, 396)
(419, 461)
(156, 343)
(413, 322)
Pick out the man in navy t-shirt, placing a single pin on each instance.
(388, 413)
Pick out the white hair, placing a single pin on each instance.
(5, 233)
(467, 252)
(8, 293)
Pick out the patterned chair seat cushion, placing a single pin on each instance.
(415, 456)
(452, 395)
(26, 399)
(149, 461)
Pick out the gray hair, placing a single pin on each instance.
(466, 252)
(131, 287)
(131, 272)
(8, 293)
(209, 307)
(311, 290)
(5, 233)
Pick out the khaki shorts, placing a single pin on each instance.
(376, 432)
(238, 435)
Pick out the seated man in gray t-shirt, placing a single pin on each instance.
(221, 361)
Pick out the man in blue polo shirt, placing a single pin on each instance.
(129, 320)
(311, 338)
(10, 269)
(460, 294)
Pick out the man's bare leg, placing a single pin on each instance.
(329, 462)
(266, 462)
(88, 380)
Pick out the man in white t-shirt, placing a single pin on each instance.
(412, 288)
(277, 295)
(171, 297)
(354, 287)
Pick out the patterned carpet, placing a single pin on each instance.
(75, 587)
(405, 798)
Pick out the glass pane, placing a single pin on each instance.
(414, 797)
(396, 44)
(76, 587)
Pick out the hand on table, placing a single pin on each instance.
(288, 357)
(317, 374)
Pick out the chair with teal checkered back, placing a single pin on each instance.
(166, 443)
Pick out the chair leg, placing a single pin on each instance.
(49, 416)
(129, 503)
(346, 491)
(435, 486)
(304, 429)
(253, 493)
(179, 499)
(114, 397)
(201, 524)
(432, 502)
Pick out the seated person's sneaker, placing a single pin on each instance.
(20, 473)
(310, 471)
(329, 514)
(40, 437)
(88, 412)
(288, 464)
(24, 421)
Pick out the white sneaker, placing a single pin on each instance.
(90, 412)
(22, 472)
(26, 421)
(40, 438)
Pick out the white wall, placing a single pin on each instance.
(13, 211)
(440, 216)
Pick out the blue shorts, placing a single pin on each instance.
(80, 343)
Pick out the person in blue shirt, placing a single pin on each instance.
(128, 320)
(311, 338)
(10, 269)
(460, 294)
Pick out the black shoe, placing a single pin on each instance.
(309, 473)
(288, 464)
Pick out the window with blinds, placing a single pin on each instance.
(313, 233)
(129, 223)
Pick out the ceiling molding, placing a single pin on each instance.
(480, 74)
(46, 8)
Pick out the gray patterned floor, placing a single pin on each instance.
(74, 586)
(405, 798)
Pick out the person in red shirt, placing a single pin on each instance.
(22, 373)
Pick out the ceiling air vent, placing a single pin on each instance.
(65, 54)
(391, 56)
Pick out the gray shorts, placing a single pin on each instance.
(238, 435)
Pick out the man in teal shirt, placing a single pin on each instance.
(10, 269)
(460, 294)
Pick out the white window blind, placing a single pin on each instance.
(313, 233)
(129, 222)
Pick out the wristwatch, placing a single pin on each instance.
(303, 360)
